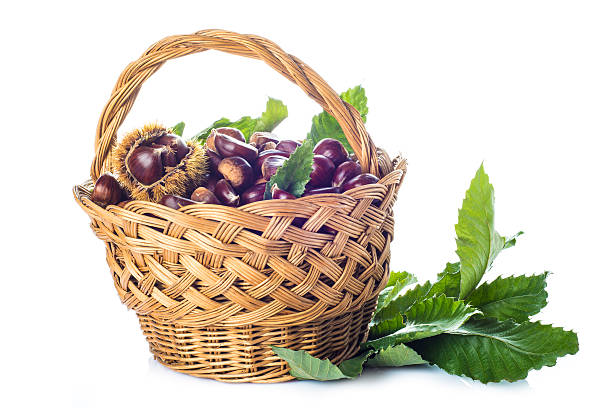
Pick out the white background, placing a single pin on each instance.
(525, 86)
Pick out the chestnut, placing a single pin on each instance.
(168, 156)
(175, 202)
(260, 181)
(176, 144)
(345, 171)
(288, 146)
(232, 132)
(278, 194)
(214, 159)
(237, 171)
(229, 147)
(204, 195)
(255, 193)
(106, 191)
(262, 138)
(227, 131)
(322, 190)
(332, 149)
(145, 164)
(272, 152)
(267, 146)
(270, 165)
(226, 194)
(360, 180)
(322, 172)
(211, 181)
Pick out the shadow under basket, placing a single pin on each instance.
(213, 286)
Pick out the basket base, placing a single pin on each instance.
(242, 354)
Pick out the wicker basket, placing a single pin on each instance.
(215, 286)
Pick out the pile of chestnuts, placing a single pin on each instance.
(238, 171)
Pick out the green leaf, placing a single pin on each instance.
(488, 350)
(178, 128)
(294, 174)
(394, 277)
(325, 125)
(354, 366)
(402, 303)
(514, 298)
(274, 114)
(386, 327)
(303, 366)
(447, 284)
(395, 356)
(397, 283)
(477, 241)
(427, 318)
(510, 242)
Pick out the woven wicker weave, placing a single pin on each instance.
(214, 286)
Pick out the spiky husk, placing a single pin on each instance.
(180, 180)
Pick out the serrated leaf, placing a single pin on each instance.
(395, 356)
(303, 366)
(477, 241)
(294, 174)
(324, 125)
(402, 303)
(515, 298)
(427, 318)
(509, 242)
(178, 128)
(354, 366)
(398, 282)
(488, 350)
(274, 114)
(394, 277)
(386, 327)
(447, 284)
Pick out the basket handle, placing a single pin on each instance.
(250, 46)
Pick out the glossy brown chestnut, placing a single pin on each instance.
(237, 171)
(288, 146)
(278, 194)
(255, 193)
(145, 164)
(332, 149)
(270, 165)
(174, 143)
(230, 147)
(322, 190)
(322, 172)
(226, 194)
(227, 131)
(262, 138)
(106, 191)
(175, 202)
(267, 146)
(213, 159)
(260, 181)
(344, 172)
(211, 181)
(265, 153)
(204, 196)
(360, 180)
